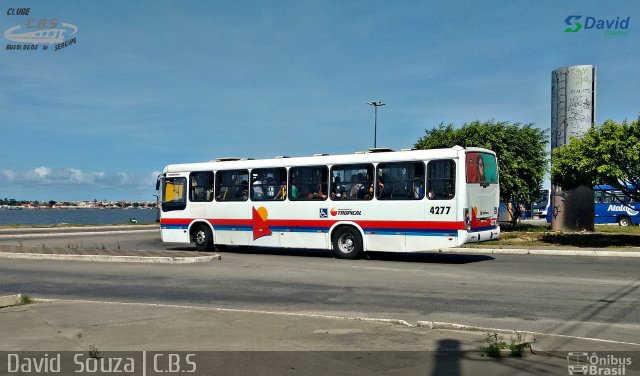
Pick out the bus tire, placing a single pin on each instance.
(624, 221)
(347, 243)
(203, 238)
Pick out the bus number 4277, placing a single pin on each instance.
(440, 209)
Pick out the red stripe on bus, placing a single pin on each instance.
(175, 221)
(431, 225)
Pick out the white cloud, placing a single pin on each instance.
(45, 176)
(42, 172)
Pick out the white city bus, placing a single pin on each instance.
(381, 200)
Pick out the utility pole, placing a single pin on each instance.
(375, 120)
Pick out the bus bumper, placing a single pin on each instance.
(483, 235)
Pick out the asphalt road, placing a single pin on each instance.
(578, 296)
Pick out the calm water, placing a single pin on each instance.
(76, 216)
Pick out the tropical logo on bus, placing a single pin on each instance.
(259, 221)
(335, 212)
(477, 222)
(629, 210)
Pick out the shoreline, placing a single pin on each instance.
(10, 208)
(7, 229)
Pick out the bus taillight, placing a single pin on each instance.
(467, 219)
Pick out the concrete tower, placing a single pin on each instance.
(573, 103)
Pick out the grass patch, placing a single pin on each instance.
(495, 345)
(524, 227)
(527, 235)
(615, 229)
(94, 352)
(591, 240)
(26, 299)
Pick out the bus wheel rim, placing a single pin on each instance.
(347, 244)
(201, 237)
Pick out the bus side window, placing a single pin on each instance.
(352, 182)
(232, 185)
(268, 184)
(400, 181)
(441, 179)
(201, 186)
(308, 183)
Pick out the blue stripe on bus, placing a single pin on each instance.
(232, 228)
(174, 227)
(298, 229)
(411, 232)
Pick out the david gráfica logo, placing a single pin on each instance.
(584, 363)
(39, 34)
(612, 27)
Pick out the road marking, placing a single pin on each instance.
(419, 324)
(113, 258)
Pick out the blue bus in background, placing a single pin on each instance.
(541, 206)
(613, 206)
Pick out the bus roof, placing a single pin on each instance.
(322, 159)
(602, 187)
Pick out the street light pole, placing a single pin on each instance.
(375, 120)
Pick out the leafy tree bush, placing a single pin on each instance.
(608, 154)
(520, 149)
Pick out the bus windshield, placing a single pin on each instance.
(543, 200)
(481, 168)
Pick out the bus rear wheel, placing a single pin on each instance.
(347, 243)
(624, 221)
(203, 238)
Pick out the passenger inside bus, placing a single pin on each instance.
(418, 188)
(243, 191)
(257, 191)
(282, 191)
(338, 190)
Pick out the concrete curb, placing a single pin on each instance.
(62, 234)
(471, 328)
(10, 300)
(543, 252)
(110, 258)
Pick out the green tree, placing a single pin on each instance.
(608, 154)
(520, 149)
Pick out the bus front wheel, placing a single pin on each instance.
(203, 238)
(624, 221)
(347, 243)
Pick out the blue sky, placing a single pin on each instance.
(150, 83)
